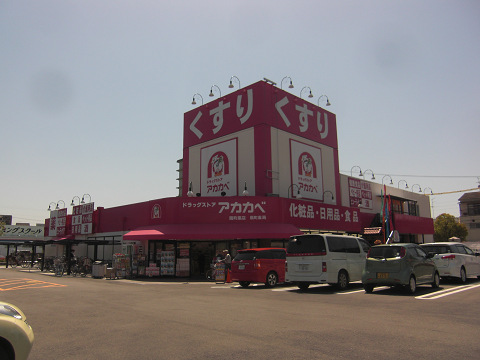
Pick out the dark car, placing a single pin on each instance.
(406, 265)
(263, 265)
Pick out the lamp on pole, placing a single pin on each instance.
(58, 206)
(406, 185)
(83, 198)
(193, 101)
(50, 206)
(425, 189)
(245, 191)
(373, 175)
(289, 86)
(306, 87)
(327, 191)
(211, 91)
(328, 102)
(73, 202)
(298, 196)
(419, 188)
(391, 181)
(190, 191)
(231, 86)
(353, 167)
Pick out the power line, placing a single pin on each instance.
(455, 191)
(425, 176)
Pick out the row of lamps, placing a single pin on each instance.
(56, 206)
(362, 174)
(236, 79)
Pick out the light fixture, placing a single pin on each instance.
(211, 91)
(327, 191)
(270, 81)
(231, 86)
(353, 167)
(245, 191)
(391, 181)
(194, 102)
(425, 189)
(298, 195)
(58, 206)
(289, 86)
(406, 185)
(328, 102)
(50, 206)
(83, 198)
(419, 188)
(73, 203)
(190, 191)
(373, 175)
(306, 87)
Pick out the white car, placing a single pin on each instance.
(454, 260)
(16, 336)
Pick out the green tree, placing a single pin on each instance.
(447, 226)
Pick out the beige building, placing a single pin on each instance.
(470, 214)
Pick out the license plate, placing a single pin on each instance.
(241, 267)
(303, 267)
(382, 275)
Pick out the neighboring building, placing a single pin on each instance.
(470, 214)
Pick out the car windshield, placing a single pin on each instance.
(245, 255)
(385, 252)
(306, 244)
(436, 249)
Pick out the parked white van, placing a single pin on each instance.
(324, 258)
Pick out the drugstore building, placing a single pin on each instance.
(259, 165)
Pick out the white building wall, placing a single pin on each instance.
(282, 167)
(245, 160)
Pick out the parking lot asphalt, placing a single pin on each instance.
(85, 318)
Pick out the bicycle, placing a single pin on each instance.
(59, 266)
(85, 266)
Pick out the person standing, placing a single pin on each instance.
(227, 259)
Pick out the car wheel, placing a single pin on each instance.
(272, 279)
(436, 280)
(342, 280)
(244, 283)
(463, 275)
(303, 286)
(368, 288)
(412, 285)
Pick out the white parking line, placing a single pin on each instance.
(446, 292)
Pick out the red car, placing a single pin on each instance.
(265, 265)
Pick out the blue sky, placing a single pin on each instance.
(92, 93)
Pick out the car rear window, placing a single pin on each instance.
(385, 252)
(245, 255)
(340, 244)
(436, 249)
(306, 244)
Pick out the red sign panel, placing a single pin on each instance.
(259, 103)
(82, 219)
(258, 209)
(360, 193)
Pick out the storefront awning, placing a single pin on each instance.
(196, 232)
(408, 224)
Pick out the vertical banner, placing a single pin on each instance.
(58, 222)
(82, 219)
(306, 165)
(360, 193)
(219, 169)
